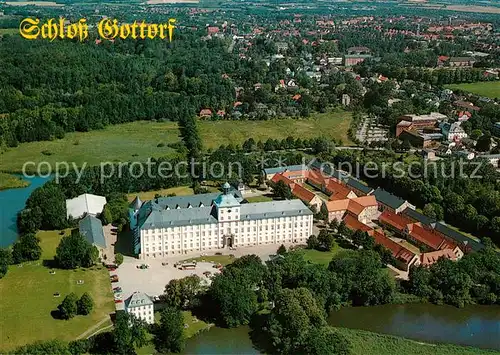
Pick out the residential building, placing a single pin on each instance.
(177, 225)
(418, 122)
(140, 306)
(351, 60)
(364, 209)
(496, 129)
(427, 259)
(358, 187)
(308, 197)
(206, 113)
(389, 202)
(453, 132)
(404, 258)
(270, 172)
(463, 62)
(84, 204)
(90, 228)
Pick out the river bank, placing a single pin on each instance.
(10, 181)
(237, 341)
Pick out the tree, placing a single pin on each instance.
(68, 308)
(75, 251)
(281, 250)
(362, 239)
(85, 304)
(118, 259)
(27, 248)
(312, 242)
(168, 335)
(484, 142)
(326, 240)
(234, 297)
(281, 190)
(290, 321)
(342, 229)
(129, 332)
(325, 340)
(53, 347)
(334, 224)
(5, 261)
(181, 293)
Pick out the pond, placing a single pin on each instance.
(477, 326)
(13, 201)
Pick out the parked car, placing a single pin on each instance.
(117, 290)
(113, 278)
(118, 301)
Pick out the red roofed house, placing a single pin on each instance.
(431, 240)
(404, 258)
(363, 208)
(299, 191)
(221, 113)
(427, 259)
(213, 29)
(206, 112)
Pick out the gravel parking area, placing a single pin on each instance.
(152, 280)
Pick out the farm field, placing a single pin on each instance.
(178, 191)
(332, 125)
(489, 89)
(27, 299)
(135, 141)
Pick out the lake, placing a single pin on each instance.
(13, 201)
(477, 326)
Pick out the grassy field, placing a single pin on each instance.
(8, 181)
(333, 125)
(364, 343)
(321, 257)
(134, 141)
(489, 89)
(149, 195)
(27, 299)
(258, 199)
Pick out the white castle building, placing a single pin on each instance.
(178, 225)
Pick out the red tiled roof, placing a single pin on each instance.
(398, 251)
(303, 193)
(339, 205)
(429, 238)
(337, 190)
(206, 112)
(281, 177)
(352, 223)
(395, 220)
(430, 258)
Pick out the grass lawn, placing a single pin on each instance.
(333, 125)
(149, 195)
(260, 198)
(8, 181)
(216, 259)
(364, 343)
(27, 300)
(135, 141)
(489, 89)
(321, 257)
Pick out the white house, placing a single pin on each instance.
(453, 132)
(85, 204)
(178, 225)
(141, 306)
